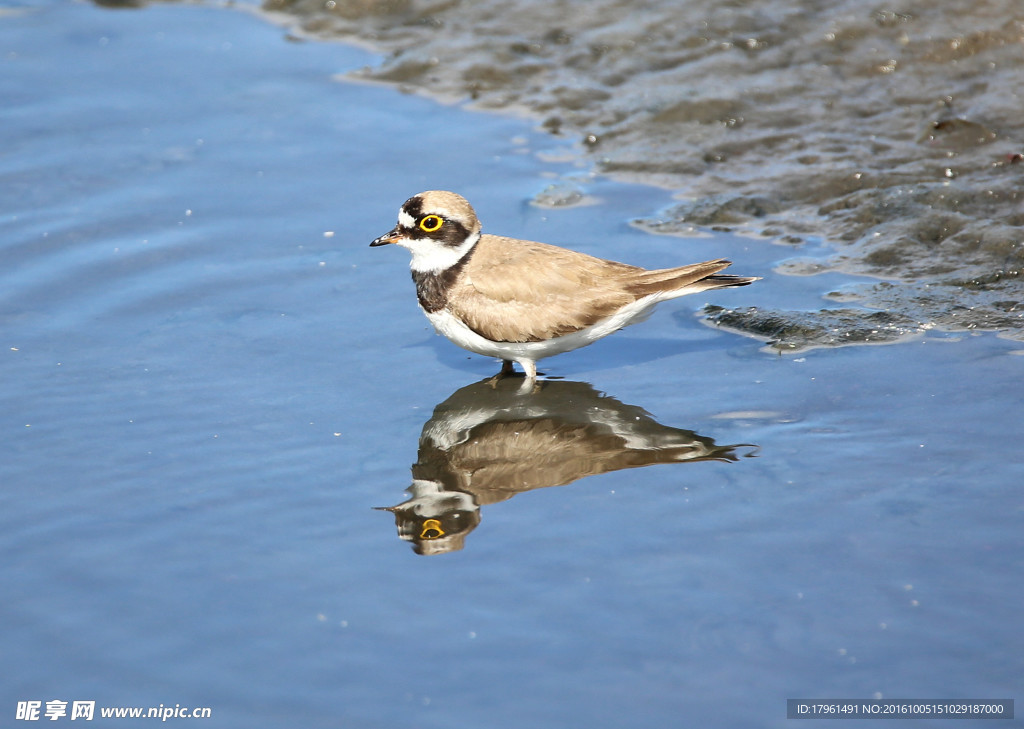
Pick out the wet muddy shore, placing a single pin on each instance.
(890, 131)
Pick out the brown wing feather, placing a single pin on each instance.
(522, 291)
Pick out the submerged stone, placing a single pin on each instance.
(795, 331)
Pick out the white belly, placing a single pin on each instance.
(462, 335)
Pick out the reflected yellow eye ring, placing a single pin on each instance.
(431, 527)
(431, 223)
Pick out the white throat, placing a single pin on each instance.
(429, 256)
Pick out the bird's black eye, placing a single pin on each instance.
(431, 223)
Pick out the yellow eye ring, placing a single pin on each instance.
(431, 223)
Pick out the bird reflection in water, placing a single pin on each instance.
(488, 442)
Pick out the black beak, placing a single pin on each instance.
(391, 236)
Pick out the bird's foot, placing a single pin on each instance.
(530, 382)
(507, 370)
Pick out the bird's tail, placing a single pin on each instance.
(673, 282)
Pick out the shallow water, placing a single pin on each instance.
(211, 384)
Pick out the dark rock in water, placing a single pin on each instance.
(957, 134)
(560, 195)
(793, 331)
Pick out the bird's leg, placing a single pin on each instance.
(530, 384)
(507, 370)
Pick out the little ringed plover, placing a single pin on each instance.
(522, 301)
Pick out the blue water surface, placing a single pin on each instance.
(208, 382)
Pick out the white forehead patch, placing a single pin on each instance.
(405, 220)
